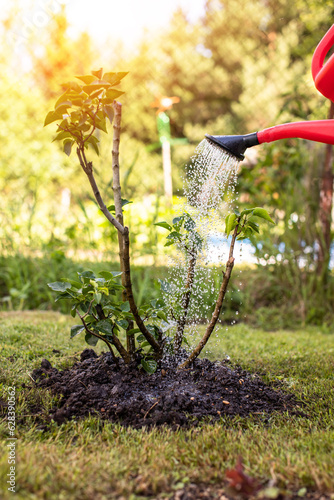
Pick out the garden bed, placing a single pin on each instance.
(177, 398)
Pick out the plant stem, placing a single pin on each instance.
(219, 303)
(88, 169)
(117, 343)
(116, 186)
(181, 323)
(96, 335)
(128, 285)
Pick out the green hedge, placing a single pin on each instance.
(258, 296)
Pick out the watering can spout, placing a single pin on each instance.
(316, 130)
(234, 144)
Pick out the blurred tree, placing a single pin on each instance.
(27, 166)
(61, 57)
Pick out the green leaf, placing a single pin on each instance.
(93, 142)
(75, 330)
(62, 98)
(105, 326)
(87, 274)
(62, 135)
(97, 93)
(165, 286)
(101, 125)
(197, 241)
(115, 78)
(253, 225)
(59, 286)
(92, 139)
(84, 127)
(162, 315)
(52, 116)
(112, 208)
(62, 109)
(157, 303)
(263, 214)
(62, 104)
(174, 235)
(108, 275)
(89, 319)
(74, 86)
(246, 211)
(76, 284)
(87, 78)
(98, 73)
(91, 339)
(125, 307)
(246, 233)
(77, 100)
(165, 225)
(111, 95)
(126, 202)
(189, 224)
(165, 326)
(67, 146)
(84, 306)
(63, 296)
(89, 89)
(133, 331)
(109, 111)
(149, 365)
(230, 223)
(145, 344)
(122, 323)
(178, 221)
(153, 330)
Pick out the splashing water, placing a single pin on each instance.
(209, 189)
(211, 172)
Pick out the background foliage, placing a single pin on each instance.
(243, 66)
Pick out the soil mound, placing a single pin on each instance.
(177, 398)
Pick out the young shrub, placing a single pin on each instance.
(106, 308)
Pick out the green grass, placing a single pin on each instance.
(81, 460)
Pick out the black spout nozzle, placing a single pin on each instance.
(234, 144)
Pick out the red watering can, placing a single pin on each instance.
(323, 74)
(316, 130)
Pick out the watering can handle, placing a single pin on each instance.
(321, 51)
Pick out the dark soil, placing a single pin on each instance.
(177, 398)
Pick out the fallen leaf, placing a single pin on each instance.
(240, 482)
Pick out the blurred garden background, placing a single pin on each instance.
(231, 67)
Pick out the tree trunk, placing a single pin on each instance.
(326, 205)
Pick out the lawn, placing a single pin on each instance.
(84, 460)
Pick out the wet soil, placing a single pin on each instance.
(176, 398)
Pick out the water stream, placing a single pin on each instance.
(210, 191)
